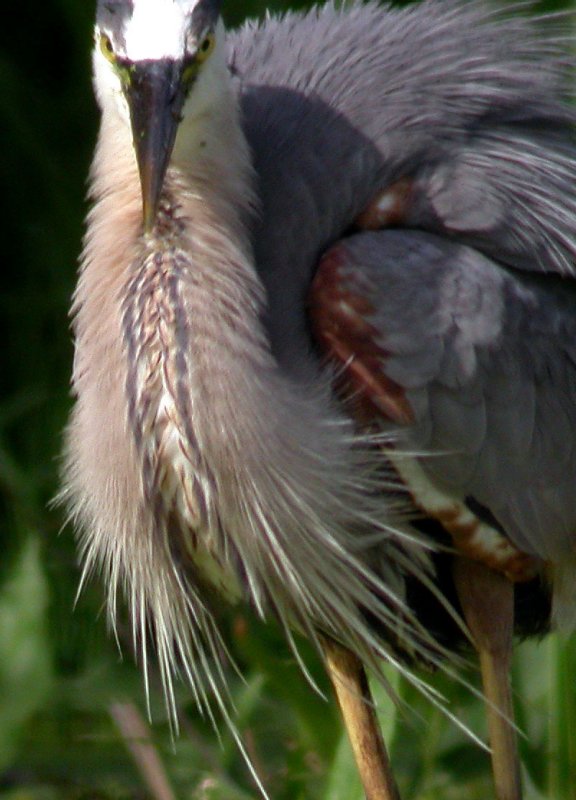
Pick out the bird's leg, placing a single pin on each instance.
(487, 600)
(353, 692)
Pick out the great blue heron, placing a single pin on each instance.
(326, 338)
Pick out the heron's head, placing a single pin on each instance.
(156, 61)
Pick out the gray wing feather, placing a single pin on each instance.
(472, 104)
(508, 192)
(487, 356)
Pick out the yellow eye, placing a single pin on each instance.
(206, 47)
(107, 48)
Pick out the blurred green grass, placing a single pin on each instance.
(60, 671)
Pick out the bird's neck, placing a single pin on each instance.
(192, 300)
(186, 427)
(168, 328)
(233, 445)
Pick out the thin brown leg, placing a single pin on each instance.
(353, 692)
(487, 600)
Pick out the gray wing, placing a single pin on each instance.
(483, 359)
(468, 104)
(468, 109)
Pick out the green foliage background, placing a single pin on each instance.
(63, 683)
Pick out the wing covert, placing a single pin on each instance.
(483, 361)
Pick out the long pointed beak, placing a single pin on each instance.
(155, 98)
